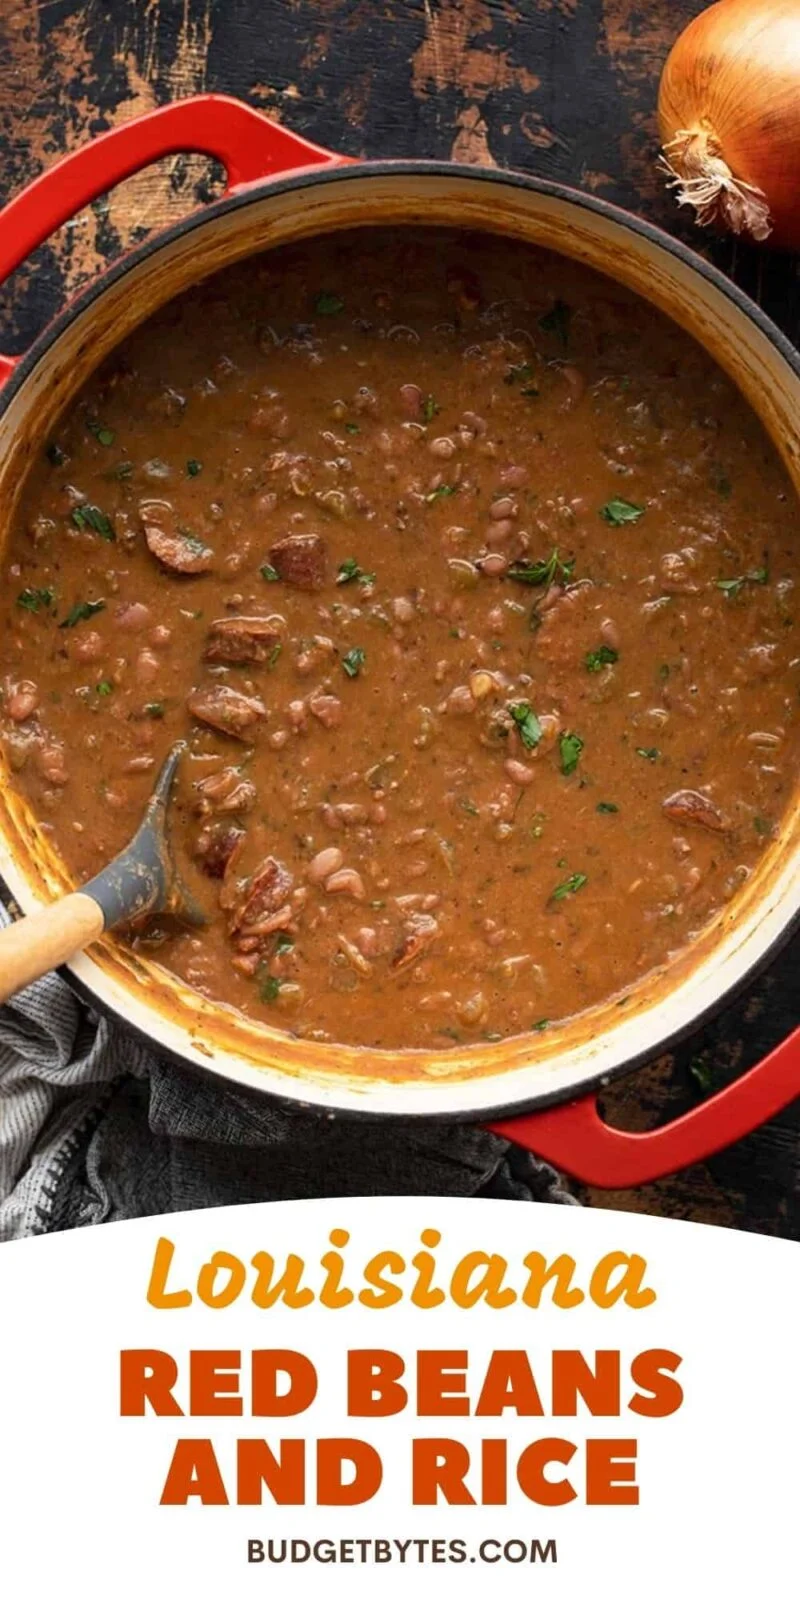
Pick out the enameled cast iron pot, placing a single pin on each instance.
(281, 188)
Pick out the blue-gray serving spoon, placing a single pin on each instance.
(141, 881)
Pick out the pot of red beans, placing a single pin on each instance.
(450, 517)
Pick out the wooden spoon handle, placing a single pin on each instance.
(38, 943)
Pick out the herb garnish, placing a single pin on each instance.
(557, 320)
(269, 574)
(104, 436)
(274, 654)
(530, 728)
(648, 753)
(618, 512)
(351, 427)
(570, 886)
(351, 572)
(470, 807)
(354, 661)
(328, 305)
(81, 612)
(731, 587)
(539, 1027)
(123, 470)
(193, 468)
(606, 808)
(430, 409)
(570, 746)
(284, 944)
(596, 660)
(104, 687)
(520, 372)
(87, 516)
(32, 599)
(763, 826)
(55, 455)
(269, 990)
(155, 710)
(537, 574)
(441, 493)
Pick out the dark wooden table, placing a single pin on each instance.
(562, 88)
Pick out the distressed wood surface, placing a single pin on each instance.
(562, 88)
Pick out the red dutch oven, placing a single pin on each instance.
(538, 1091)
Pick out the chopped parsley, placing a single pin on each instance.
(441, 493)
(430, 409)
(520, 372)
(763, 826)
(269, 990)
(606, 808)
(327, 304)
(155, 710)
(123, 470)
(92, 517)
(104, 436)
(537, 574)
(193, 468)
(351, 572)
(530, 728)
(274, 654)
(570, 746)
(81, 612)
(354, 661)
(557, 320)
(731, 587)
(648, 753)
(470, 807)
(55, 455)
(104, 687)
(191, 541)
(618, 512)
(34, 599)
(570, 886)
(351, 427)
(596, 660)
(539, 1027)
(284, 944)
(269, 574)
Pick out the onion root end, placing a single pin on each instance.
(701, 179)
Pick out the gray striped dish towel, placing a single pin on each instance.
(94, 1128)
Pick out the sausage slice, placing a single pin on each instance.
(688, 805)
(261, 897)
(299, 559)
(226, 709)
(240, 639)
(177, 550)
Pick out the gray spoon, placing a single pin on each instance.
(141, 881)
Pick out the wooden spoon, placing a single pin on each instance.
(142, 881)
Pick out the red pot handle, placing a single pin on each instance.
(575, 1138)
(248, 145)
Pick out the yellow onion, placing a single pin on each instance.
(729, 119)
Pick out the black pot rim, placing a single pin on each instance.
(253, 194)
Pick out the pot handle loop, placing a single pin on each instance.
(249, 146)
(575, 1137)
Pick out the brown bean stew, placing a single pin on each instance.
(471, 582)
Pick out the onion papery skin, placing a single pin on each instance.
(729, 114)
